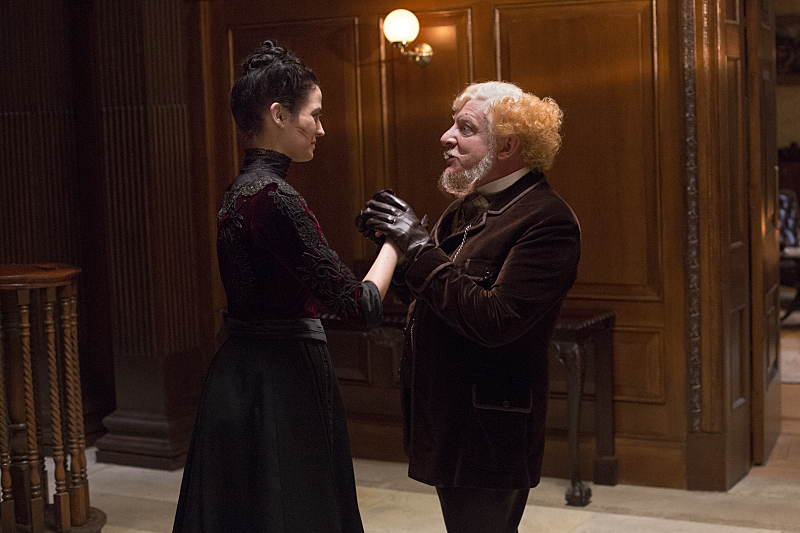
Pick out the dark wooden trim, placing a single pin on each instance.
(694, 388)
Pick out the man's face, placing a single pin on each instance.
(469, 150)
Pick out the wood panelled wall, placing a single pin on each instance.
(654, 162)
(665, 160)
(96, 174)
(45, 198)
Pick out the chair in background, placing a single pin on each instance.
(789, 238)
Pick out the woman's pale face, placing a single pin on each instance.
(301, 131)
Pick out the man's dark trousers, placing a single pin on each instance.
(469, 510)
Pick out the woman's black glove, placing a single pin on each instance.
(366, 231)
(390, 215)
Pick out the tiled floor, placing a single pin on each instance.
(143, 501)
(768, 500)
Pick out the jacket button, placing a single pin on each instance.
(506, 404)
(487, 275)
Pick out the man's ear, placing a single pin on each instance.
(509, 147)
(277, 113)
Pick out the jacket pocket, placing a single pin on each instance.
(502, 400)
(498, 429)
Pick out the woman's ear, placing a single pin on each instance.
(277, 113)
(509, 146)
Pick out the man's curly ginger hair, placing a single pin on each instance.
(512, 111)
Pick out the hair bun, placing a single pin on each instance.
(266, 54)
(271, 74)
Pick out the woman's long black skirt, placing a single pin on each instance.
(270, 450)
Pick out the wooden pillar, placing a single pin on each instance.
(158, 303)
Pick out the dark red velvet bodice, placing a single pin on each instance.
(274, 259)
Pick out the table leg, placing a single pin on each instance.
(7, 514)
(569, 354)
(605, 463)
(71, 382)
(61, 512)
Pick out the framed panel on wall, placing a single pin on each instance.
(787, 49)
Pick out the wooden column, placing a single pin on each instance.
(158, 304)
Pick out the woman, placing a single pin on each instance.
(270, 450)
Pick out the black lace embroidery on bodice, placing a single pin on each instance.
(324, 273)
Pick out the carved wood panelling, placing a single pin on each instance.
(146, 179)
(693, 328)
(417, 107)
(596, 59)
(37, 137)
(153, 261)
(333, 180)
(764, 230)
(351, 355)
(639, 366)
(739, 380)
(733, 144)
(733, 265)
(366, 365)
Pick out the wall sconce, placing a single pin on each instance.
(400, 27)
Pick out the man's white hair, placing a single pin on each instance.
(488, 90)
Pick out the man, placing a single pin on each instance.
(487, 282)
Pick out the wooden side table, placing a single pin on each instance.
(38, 330)
(582, 334)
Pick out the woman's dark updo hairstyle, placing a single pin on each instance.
(270, 74)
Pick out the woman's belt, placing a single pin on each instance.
(293, 328)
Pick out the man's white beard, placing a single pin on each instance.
(462, 182)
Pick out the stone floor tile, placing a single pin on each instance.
(612, 523)
(550, 520)
(129, 482)
(394, 511)
(137, 514)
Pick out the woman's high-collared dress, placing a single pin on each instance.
(270, 449)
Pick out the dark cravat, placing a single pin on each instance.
(473, 205)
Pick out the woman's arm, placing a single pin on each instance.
(381, 271)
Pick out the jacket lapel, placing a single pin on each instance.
(499, 203)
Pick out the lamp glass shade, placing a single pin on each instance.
(401, 25)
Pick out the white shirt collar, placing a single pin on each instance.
(504, 182)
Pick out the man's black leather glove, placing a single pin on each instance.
(390, 215)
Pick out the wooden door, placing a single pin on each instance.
(734, 202)
(766, 394)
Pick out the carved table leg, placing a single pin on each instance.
(569, 354)
(8, 524)
(73, 308)
(71, 383)
(38, 343)
(36, 499)
(26, 483)
(605, 466)
(61, 513)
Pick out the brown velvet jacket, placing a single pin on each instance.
(475, 367)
